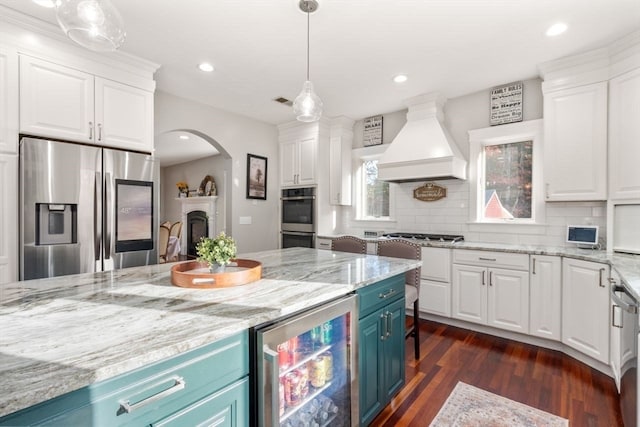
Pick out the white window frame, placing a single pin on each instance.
(361, 155)
(531, 130)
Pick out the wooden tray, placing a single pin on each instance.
(195, 274)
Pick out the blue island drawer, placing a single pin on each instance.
(147, 394)
(374, 296)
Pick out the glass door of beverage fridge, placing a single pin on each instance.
(307, 368)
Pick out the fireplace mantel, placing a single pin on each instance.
(190, 204)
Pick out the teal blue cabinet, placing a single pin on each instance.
(381, 345)
(208, 383)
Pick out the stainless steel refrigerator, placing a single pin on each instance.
(85, 209)
(307, 368)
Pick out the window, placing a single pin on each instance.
(507, 181)
(374, 197)
(375, 193)
(505, 176)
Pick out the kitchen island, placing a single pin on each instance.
(63, 334)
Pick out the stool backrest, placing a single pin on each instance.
(349, 244)
(400, 248)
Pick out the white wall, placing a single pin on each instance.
(193, 173)
(451, 215)
(237, 135)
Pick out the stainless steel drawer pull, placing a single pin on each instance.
(127, 407)
(483, 276)
(389, 323)
(534, 266)
(386, 294)
(601, 284)
(613, 317)
(90, 130)
(486, 259)
(383, 328)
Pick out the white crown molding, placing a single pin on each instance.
(47, 41)
(593, 66)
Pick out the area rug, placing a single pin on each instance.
(469, 406)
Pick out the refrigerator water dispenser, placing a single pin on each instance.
(56, 224)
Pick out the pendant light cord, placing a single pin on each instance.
(307, 41)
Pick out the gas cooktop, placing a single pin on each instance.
(427, 237)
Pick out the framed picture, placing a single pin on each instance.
(372, 134)
(506, 104)
(256, 177)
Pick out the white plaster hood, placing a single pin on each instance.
(423, 150)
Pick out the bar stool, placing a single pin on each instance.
(400, 248)
(349, 244)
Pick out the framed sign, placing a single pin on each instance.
(430, 192)
(372, 131)
(506, 104)
(256, 177)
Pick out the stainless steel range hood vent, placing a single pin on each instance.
(423, 150)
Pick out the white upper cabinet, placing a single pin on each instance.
(575, 143)
(8, 100)
(56, 101)
(586, 307)
(64, 103)
(298, 162)
(624, 136)
(124, 115)
(340, 145)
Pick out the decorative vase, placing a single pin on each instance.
(216, 268)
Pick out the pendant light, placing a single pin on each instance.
(94, 24)
(308, 105)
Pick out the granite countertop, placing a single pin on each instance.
(64, 333)
(626, 265)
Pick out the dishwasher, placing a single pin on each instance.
(625, 317)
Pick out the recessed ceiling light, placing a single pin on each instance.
(556, 29)
(206, 67)
(400, 78)
(45, 3)
(184, 137)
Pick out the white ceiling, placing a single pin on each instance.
(171, 150)
(258, 47)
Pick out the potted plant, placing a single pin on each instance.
(216, 252)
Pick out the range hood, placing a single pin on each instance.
(423, 150)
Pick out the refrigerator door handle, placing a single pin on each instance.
(272, 357)
(97, 229)
(107, 231)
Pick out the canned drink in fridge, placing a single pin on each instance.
(326, 335)
(284, 358)
(327, 357)
(292, 389)
(317, 372)
(316, 335)
(303, 381)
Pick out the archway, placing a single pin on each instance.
(189, 155)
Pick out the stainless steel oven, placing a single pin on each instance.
(625, 317)
(298, 226)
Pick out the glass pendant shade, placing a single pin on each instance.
(307, 105)
(94, 24)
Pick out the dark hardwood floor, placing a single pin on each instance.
(545, 379)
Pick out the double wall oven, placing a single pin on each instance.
(298, 225)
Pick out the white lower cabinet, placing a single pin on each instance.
(8, 218)
(622, 340)
(322, 243)
(435, 281)
(545, 296)
(497, 297)
(586, 307)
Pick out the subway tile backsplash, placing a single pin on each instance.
(451, 216)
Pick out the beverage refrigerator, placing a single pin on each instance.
(307, 368)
